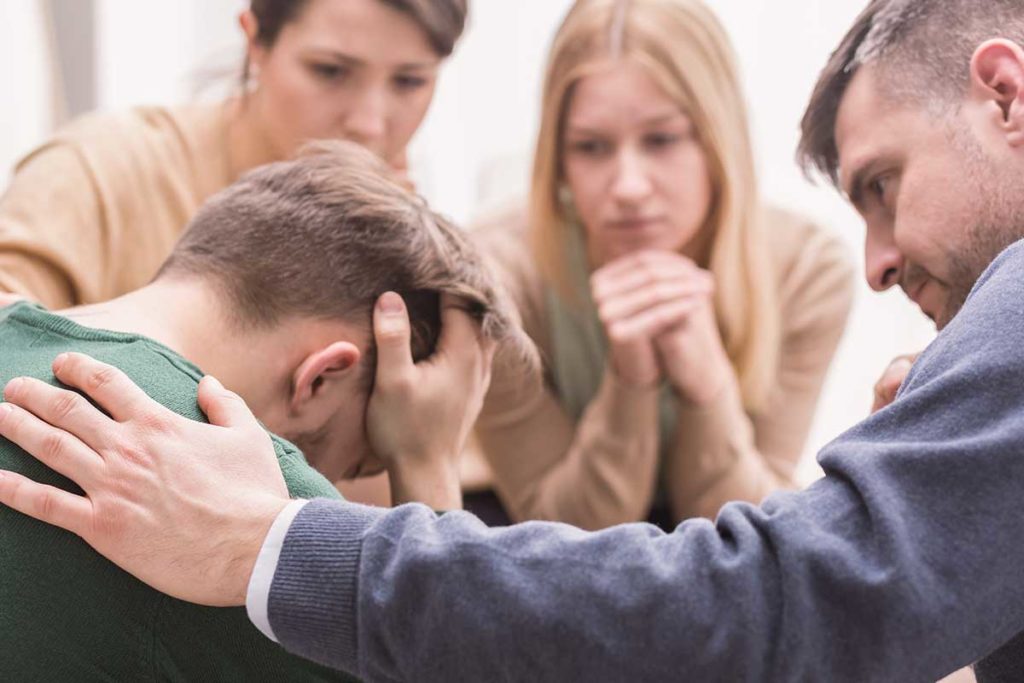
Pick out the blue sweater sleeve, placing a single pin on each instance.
(903, 563)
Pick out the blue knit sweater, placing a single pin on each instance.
(904, 563)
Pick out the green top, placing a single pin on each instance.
(66, 613)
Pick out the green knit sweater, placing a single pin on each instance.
(66, 613)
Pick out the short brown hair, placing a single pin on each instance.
(923, 50)
(323, 236)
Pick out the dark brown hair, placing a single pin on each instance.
(922, 50)
(442, 20)
(324, 236)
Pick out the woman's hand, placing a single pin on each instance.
(891, 380)
(657, 310)
(639, 297)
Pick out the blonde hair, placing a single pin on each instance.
(685, 50)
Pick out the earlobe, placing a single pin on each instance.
(997, 75)
(320, 369)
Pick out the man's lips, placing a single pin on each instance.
(914, 293)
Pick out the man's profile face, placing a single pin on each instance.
(936, 212)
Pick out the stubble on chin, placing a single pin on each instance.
(986, 239)
(996, 214)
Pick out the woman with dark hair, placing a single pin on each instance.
(93, 212)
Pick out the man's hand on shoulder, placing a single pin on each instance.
(181, 505)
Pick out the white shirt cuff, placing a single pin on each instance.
(257, 597)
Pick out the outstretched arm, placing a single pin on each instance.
(902, 564)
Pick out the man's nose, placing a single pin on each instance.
(883, 260)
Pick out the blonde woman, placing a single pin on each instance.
(687, 327)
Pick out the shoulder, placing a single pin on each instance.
(130, 144)
(502, 236)
(978, 358)
(800, 247)
(302, 479)
(140, 125)
(813, 267)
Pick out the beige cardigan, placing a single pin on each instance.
(604, 470)
(93, 212)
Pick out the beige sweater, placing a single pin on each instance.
(604, 470)
(93, 213)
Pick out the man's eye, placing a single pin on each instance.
(878, 187)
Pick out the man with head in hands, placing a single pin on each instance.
(902, 564)
(287, 286)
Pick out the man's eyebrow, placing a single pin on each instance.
(855, 189)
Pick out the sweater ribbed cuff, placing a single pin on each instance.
(314, 596)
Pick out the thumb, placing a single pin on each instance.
(391, 332)
(224, 408)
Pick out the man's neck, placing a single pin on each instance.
(189, 318)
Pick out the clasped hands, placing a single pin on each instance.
(658, 314)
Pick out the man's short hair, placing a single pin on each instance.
(324, 236)
(922, 50)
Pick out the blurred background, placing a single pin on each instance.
(60, 58)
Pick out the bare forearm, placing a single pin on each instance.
(436, 486)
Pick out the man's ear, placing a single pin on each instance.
(997, 75)
(320, 369)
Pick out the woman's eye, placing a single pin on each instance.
(328, 72)
(661, 140)
(410, 82)
(590, 147)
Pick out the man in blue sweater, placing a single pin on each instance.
(904, 563)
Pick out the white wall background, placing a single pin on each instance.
(26, 87)
(475, 147)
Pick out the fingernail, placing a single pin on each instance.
(13, 386)
(59, 361)
(389, 302)
(5, 410)
(214, 381)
